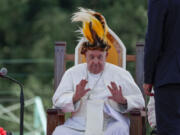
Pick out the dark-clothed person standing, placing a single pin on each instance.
(162, 63)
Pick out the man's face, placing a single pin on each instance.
(95, 60)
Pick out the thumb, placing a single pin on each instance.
(87, 89)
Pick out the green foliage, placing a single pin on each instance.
(29, 28)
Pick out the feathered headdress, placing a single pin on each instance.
(94, 30)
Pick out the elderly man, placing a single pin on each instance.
(97, 93)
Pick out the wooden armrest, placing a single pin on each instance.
(137, 120)
(55, 117)
(55, 112)
(138, 112)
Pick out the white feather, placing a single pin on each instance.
(83, 15)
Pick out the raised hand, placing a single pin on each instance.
(116, 92)
(80, 90)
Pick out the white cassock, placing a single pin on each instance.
(95, 114)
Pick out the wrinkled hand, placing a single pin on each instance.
(147, 89)
(116, 93)
(80, 91)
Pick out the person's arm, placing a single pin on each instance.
(66, 97)
(131, 96)
(63, 96)
(132, 93)
(157, 10)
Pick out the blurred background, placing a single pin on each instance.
(28, 30)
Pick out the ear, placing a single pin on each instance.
(106, 54)
(85, 54)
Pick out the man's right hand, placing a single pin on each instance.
(80, 90)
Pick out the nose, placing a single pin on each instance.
(95, 60)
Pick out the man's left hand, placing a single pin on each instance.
(116, 93)
(147, 89)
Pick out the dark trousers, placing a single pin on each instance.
(167, 104)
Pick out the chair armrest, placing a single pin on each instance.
(55, 117)
(138, 112)
(137, 120)
(55, 111)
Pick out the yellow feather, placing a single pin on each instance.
(97, 27)
(87, 32)
(86, 16)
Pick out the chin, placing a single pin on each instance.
(96, 71)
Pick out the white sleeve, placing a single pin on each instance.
(64, 94)
(132, 93)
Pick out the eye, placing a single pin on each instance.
(100, 57)
(91, 57)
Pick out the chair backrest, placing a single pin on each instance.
(116, 54)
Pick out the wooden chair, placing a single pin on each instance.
(117, 56)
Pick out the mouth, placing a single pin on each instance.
(95, 68)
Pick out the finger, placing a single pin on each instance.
(144, 86)
(111, 90)
(82, 83)
(114, 86)
(86, 90)
(80, 87)
(115, 89)
(147, 87)
(147, 92)
(120, 90)
(109, 87)
(77, 87)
